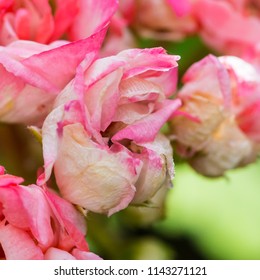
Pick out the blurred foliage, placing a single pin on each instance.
(20, 152)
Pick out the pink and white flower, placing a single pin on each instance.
(33, 74)
(103, 136)
(37, 224)
(217, 127)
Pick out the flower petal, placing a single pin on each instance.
(146, 129)
(57, 254)
(99, 180)
(92, 16)
(62, 62)
(18, 245)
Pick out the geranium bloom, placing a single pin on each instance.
(102, 138)
(217, 127)
(33, 74)
(230, 26)
(37, 224)
(45, 21)
(164, 19)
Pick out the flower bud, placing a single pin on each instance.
(217, 127)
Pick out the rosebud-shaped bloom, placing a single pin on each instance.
(217, 127)
(164, 19)
(230, 26)
(44, 21)
(102, 138)
(37, 224)
(33, 74)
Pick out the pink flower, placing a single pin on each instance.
(33, 74)
(103, 136)
(37, 224)
(164, 19)
(230, 26)
(46, 21)
(217, 127)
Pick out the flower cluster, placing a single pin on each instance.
(73, 72)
